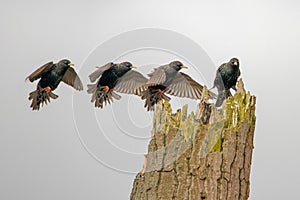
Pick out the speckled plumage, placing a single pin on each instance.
(50, 76)
(114, 78)
(167, 79)
(226, 78)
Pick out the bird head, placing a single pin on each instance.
(65, 63)
(127, 65)
(124, 67)
(177, 65)
(234, 62)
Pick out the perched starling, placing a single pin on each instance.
(114, 77)
(168, 79)
(226, 78)
(50, 76)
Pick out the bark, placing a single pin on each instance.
(206, 155)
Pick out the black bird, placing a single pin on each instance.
(226, 78)
(50, 76)
(168, 79)
(114, 77)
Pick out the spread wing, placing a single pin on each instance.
(71, 78)
(40, 71)
(96, 74)
(184, 86)
(132, 82)
(158, 76)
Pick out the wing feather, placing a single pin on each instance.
(71, 78)
(132, 82)
(157, 77)
(184, 86)
(40, 71)
(96, 74)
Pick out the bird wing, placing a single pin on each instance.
(40, 71)
(96, 74)
(157, 77)
(132, 82)
(218, 80)
(71, 78)
(184, 86)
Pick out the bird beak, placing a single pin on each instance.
(235, 63)
(71, 64)
(133, 67)
(185, 67)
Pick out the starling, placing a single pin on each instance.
(114, 77)
(50, 76)
(168, 79)
(226, 78)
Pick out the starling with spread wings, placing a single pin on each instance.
(226, 78)
(167, 79)
(50, 76)
(114, 78)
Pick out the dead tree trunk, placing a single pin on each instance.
(206, 155)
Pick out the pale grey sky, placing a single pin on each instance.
(41, 154)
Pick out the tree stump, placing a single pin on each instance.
(206, 155)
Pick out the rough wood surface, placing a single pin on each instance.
(194, 157)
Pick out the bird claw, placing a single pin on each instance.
(47, 89)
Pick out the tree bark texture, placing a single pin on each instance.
(206, 155)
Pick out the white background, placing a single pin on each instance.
(41, 156)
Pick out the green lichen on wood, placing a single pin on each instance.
(238, 110)
(188, 126)
(214, 136)
(164, 119)
(191, 159)
(235, 110)
(218, 146)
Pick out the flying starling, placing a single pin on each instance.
(50, 76)
(114, 78)
(168, 79)
(226, 78)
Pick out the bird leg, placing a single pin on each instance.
(159, 91)
(47, 89)
(105, 88)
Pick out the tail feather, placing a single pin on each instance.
(40, 97)
(222, 95)
(153, 97)
(100, 96)
(115, 95)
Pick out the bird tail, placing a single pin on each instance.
(222, 95)
(152, 97)
(100, 96)
(40, 97)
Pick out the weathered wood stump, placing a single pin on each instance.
(206, 155)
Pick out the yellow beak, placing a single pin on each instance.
(185, 67)
(71, 64)
(235, 63)
(133, 67)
